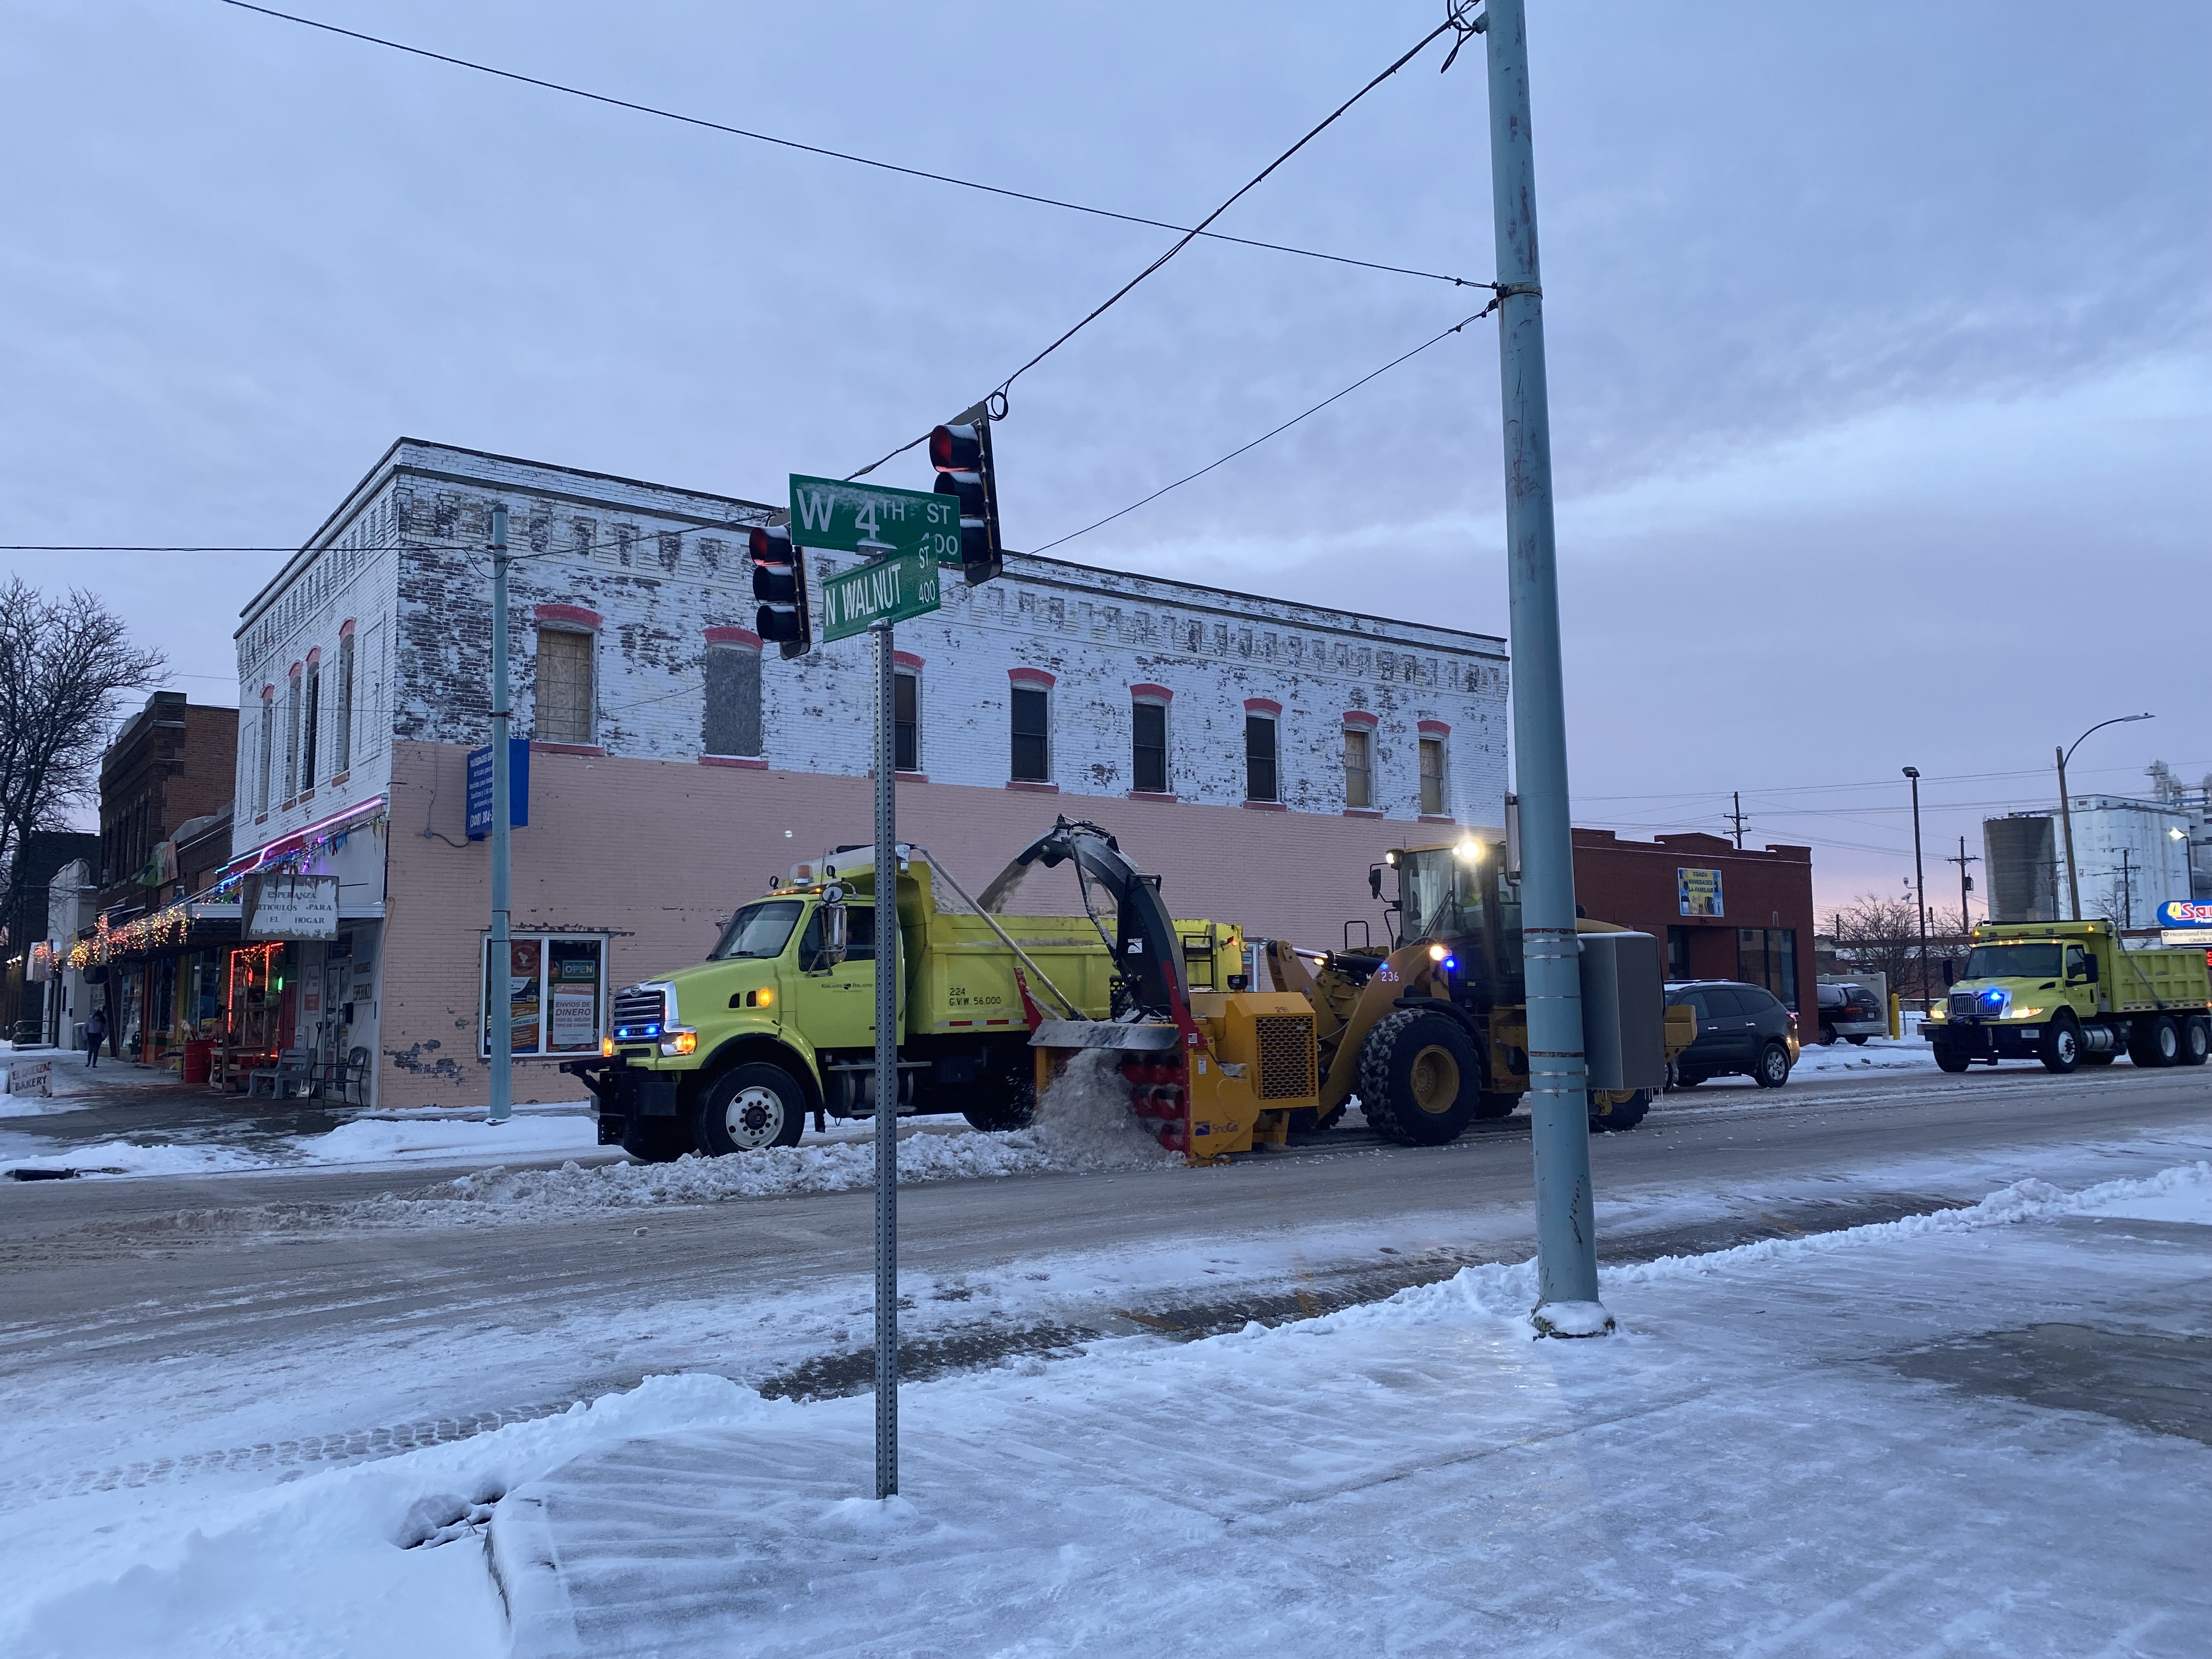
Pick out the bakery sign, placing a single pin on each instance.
(280, 905)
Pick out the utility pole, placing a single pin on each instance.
(1919, 884)
(1566, 1238)
(887, 1071)
(2127, 889)
(1736, 795)
(1966, 885)
(499, 995)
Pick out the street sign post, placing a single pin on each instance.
(887, 591)
(848, 518)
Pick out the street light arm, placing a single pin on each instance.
(2118, 720)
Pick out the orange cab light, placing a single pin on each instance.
(606, 1047)
(767, 997)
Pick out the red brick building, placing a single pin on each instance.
(1723, 913)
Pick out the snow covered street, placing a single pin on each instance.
(476, 1417)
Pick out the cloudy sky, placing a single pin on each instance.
(1878, 333)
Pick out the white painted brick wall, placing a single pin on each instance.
(661, 565)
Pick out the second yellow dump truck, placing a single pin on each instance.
(2070, 993)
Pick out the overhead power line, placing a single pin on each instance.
(995, 402)
(1285, 427)
(880, 166)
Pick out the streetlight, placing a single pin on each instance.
(1919, 885)
(2066, 809)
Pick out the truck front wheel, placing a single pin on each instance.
(1949, 1058)
(2062, 1045)
(1419, 1078)
(750, 1106)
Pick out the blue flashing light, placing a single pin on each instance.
(1450, 962)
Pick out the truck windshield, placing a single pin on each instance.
(2013, 962)
(1439, 894)
(759, 931)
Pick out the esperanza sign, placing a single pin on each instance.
(283, 905)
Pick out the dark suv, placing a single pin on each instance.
(1850, 1012)
(1741, 1030)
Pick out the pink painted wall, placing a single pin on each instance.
(658, 853)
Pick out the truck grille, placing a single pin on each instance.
(1286, 1045)
(641, 1011)
(1962, 1004)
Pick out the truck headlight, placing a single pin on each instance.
(680, 1043)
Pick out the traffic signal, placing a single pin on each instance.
(962, 455)
(779, 585)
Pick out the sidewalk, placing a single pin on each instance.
(1985, 1431)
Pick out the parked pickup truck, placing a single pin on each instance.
(2070, 994)
(778, 1024)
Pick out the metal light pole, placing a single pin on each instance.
(2066, 809)
(1919, 885)
(1566, 1238)
(499, 997)
(887, 1074)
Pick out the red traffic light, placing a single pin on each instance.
(780, 585)
(956, 449)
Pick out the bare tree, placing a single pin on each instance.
(1877, 935)
(62, 663)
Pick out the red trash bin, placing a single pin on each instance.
(198, 1057)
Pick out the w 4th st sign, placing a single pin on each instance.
(889, 590)
(848, 518)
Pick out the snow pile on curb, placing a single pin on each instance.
(1082, 1124)
(1880, 1053)
(1507, 1290)
(376, 1140)
(128, 1158)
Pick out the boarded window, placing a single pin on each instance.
(564, 685)
(342, 709)
(1433, 777)
(732, 725)
(311, 725)
(906, 723)
(268, 754)
(1148, 750)
(292, 738)
(1259, 757)
(1032, 759)
(1358, 773)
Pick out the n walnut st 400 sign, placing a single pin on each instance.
(883, 590)
(848, 518)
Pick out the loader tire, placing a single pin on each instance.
(1310, 1122)
(1607, 1116)
(1420, 1079)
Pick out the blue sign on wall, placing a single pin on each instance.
(518, 786)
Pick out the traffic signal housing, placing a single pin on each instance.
(961, 453)
(779, 585)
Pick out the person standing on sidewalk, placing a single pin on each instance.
(96, 1033)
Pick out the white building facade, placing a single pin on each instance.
(1258, 752)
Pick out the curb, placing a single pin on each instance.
(525, 1568)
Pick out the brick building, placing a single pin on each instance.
(165, 785)
(1723, 913)
(1260, 753)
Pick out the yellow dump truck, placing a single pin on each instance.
(2070, 993)
(778, 1024)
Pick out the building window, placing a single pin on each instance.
(1148, 747)
(268, 751)
(555, 993)
(564, 685)
(1032, 758)
(342, 709)
(292, 736)
(1259, 757)
(1768, 956)
(1358, 767)
(906, 722)
(311, 725)
(1432, 777)
(1678, 953)
(732, 724)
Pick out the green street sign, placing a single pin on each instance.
(849, 517)
(889, 590)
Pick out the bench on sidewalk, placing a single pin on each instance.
(293, 1067)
